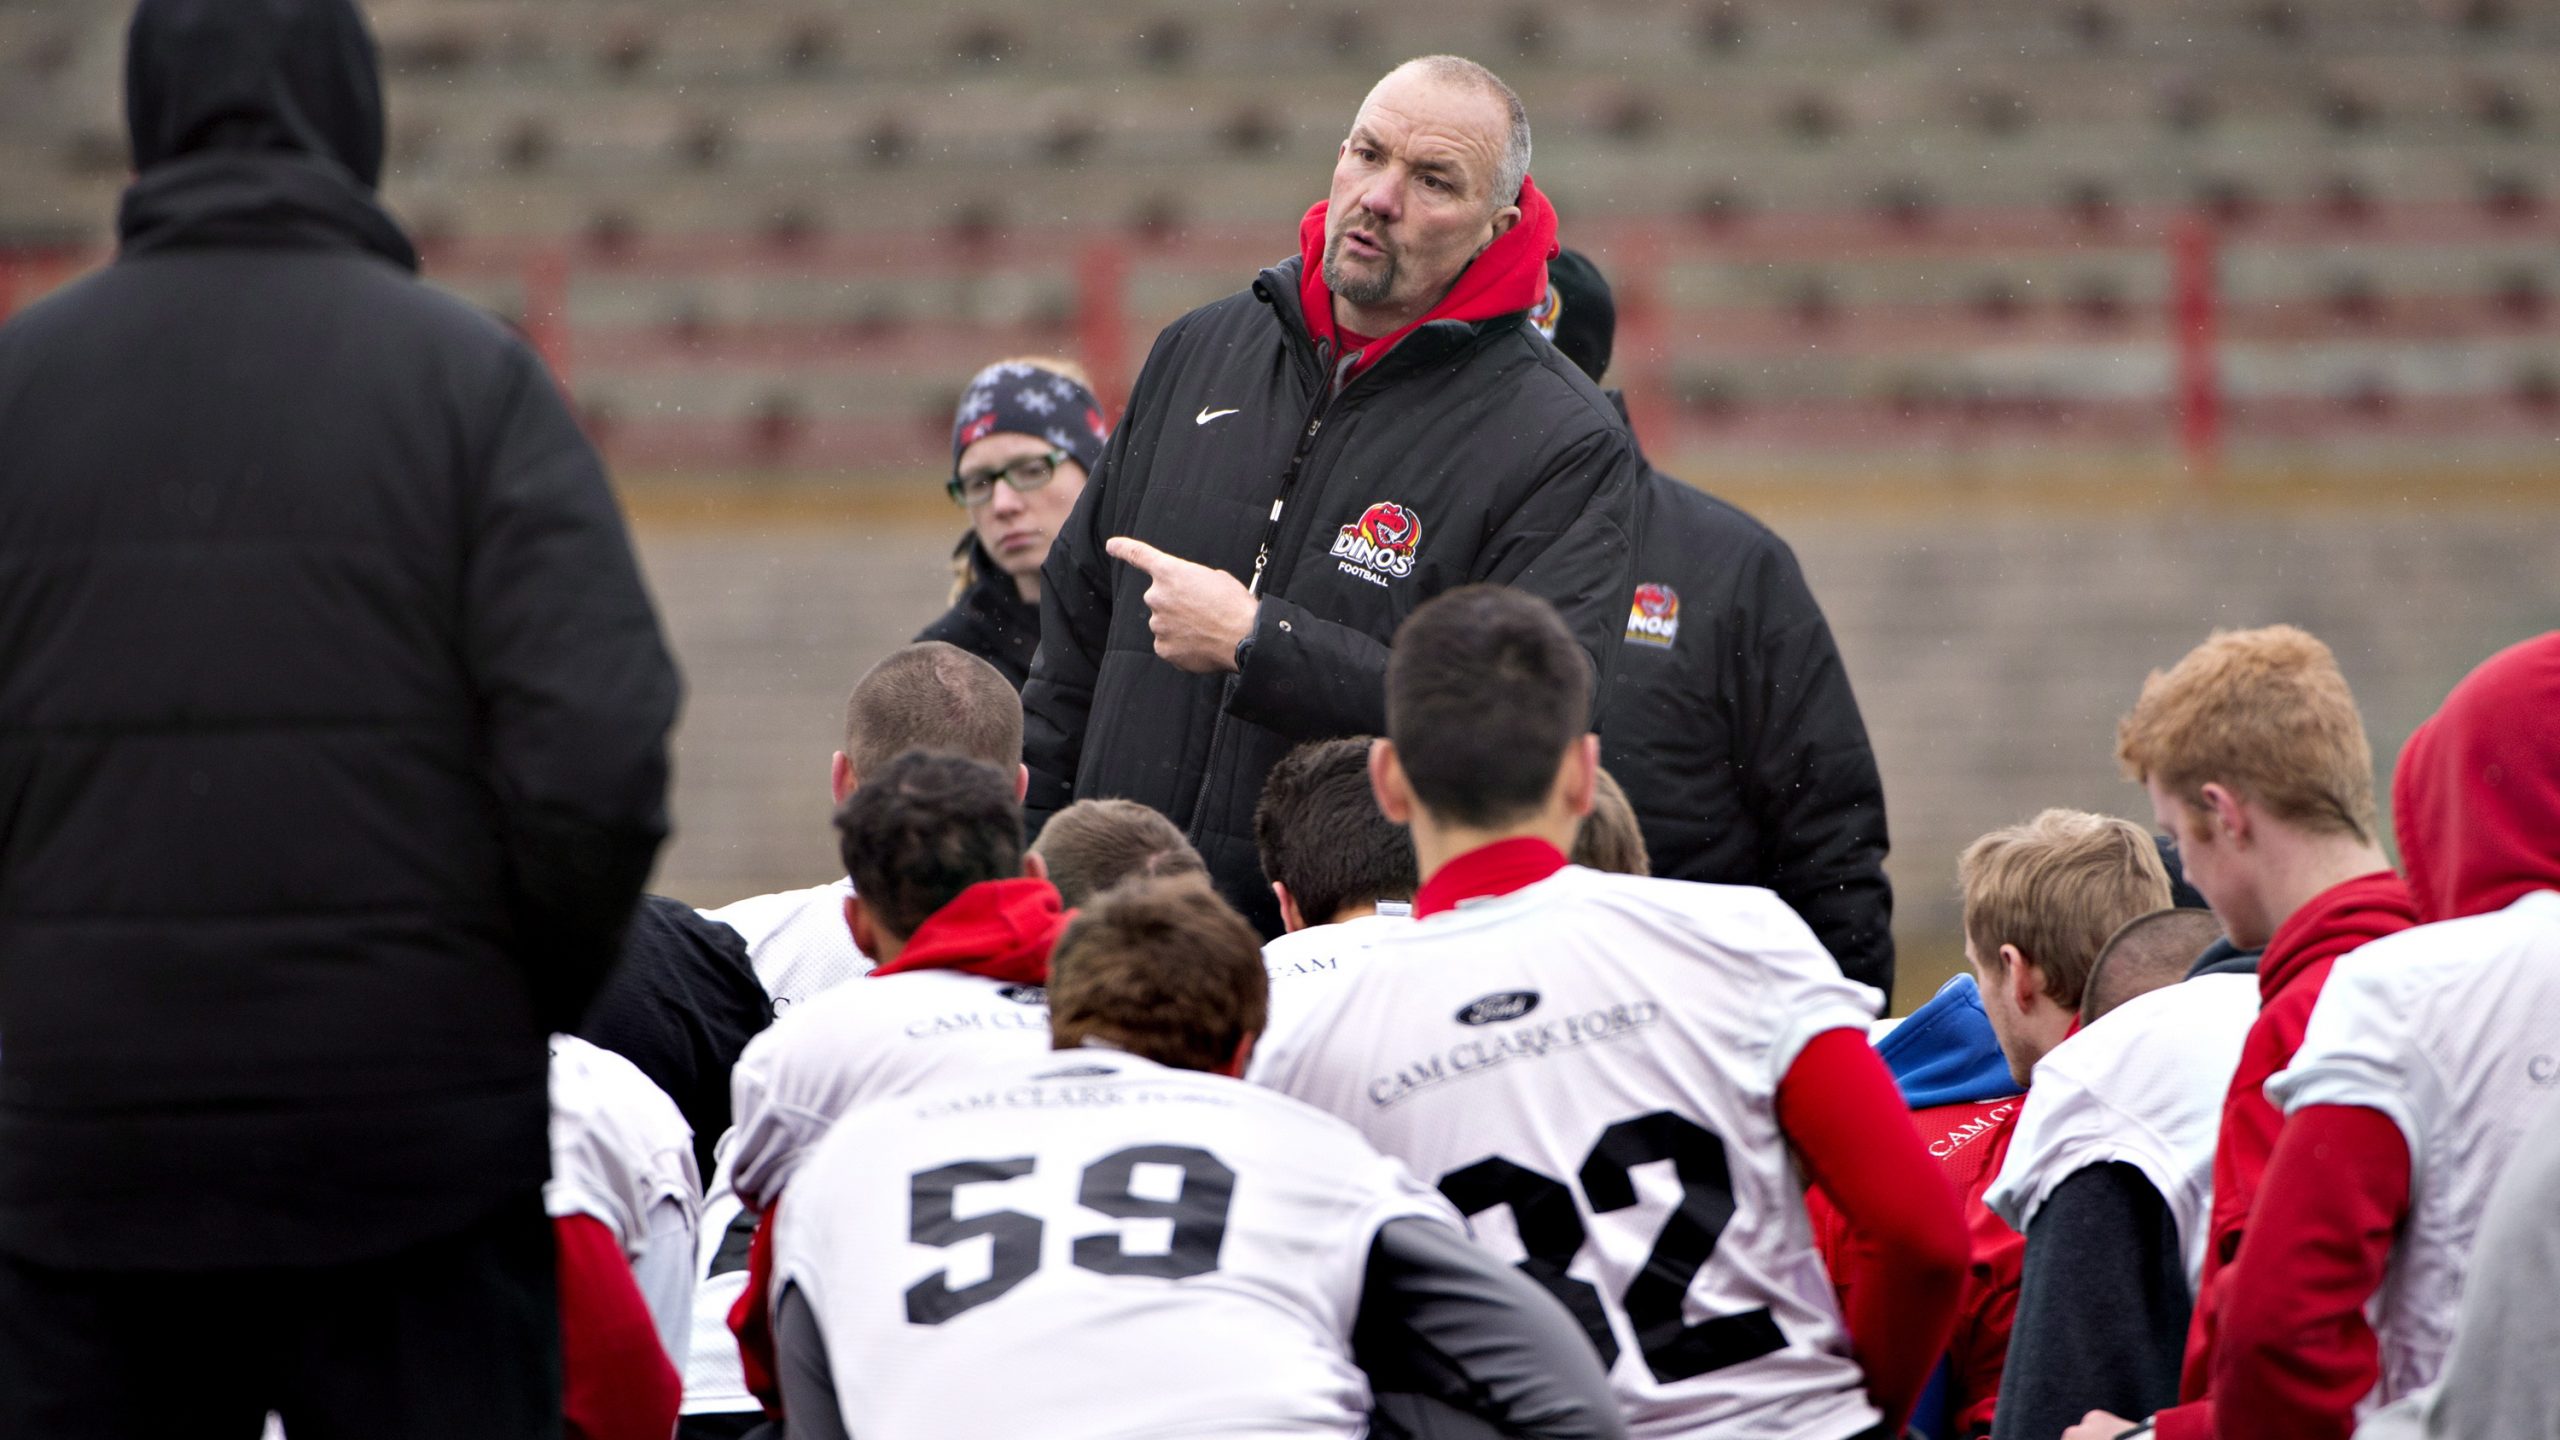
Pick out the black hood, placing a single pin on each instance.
(298, 76)
(255, 123)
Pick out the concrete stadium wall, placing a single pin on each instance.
(1992, 654)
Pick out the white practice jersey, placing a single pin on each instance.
(1588, 1068)
(880, 1036)
(797, 940)
(622, 1153)
(1306, 963)
(2453, 1031)
(715, 1383)
(1088, 1244)
(2144, 1087)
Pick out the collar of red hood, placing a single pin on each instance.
(2476, 798)
(2332, 923)
(1001, 929)
(1510, 276)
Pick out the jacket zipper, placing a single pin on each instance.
(1253, 586)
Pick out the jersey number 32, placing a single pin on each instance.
(1552, 1232)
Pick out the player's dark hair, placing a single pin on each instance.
(1159, 968)
(925, 828)
(932, 696)
(1485, 688)
(1319, 832)
(2147, 953)
(1093, 845)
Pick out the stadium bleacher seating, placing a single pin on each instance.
(1855, 216)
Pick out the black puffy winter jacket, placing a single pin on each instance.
(1731, 724)
(333, 712)
(1471, 452)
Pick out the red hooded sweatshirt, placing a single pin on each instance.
(1001, 929)
(1510, 276)
(2296, 964)
(2476, 802)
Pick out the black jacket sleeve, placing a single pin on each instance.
(1307, 677)
(1457, 1344)
(1075, 613)
(574, 686)
(681, 1005)
(808, 1382)
(2103, 1306)
(1809, 775)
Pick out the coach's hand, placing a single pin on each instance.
(2099, 1425)
(1197, 614)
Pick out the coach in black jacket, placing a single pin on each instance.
(332, 758)
(1296, 472)
(1730, 721)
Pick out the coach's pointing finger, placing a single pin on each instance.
(1197, 613)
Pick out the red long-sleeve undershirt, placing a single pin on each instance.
(616, 1380)
(2296, 1352)
(751, 1319)
(1840, 1110)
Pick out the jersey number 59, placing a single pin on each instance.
(1552, 1232)
(1198, 1211)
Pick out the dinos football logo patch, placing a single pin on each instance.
(1654, 618)
(1379, 546)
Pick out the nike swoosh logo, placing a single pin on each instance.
(1206, 415)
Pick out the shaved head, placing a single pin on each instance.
(1466, 74)
(2151, 952)
(933, 696)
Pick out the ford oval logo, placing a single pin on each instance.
(1494, 1009)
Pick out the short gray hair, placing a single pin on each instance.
(1459, 70)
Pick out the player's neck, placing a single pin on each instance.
(1436, 842)
(1349, 913)
(2302, 867)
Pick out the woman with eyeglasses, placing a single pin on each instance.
(1027, 435)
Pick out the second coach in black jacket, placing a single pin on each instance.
(1730, 720)
(1296, 472)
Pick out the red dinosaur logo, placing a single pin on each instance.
(1379, 545)
(1654, 618)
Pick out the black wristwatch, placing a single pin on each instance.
(1244, 647)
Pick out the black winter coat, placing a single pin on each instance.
(333, 715)
(1731, 725)
(681, 1005)
(1471, 452)
(990, 620)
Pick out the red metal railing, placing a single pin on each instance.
(2185, 330)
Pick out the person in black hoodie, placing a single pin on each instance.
(1730, 719)
(1027, 435)
(333, 720)
(1304, 463)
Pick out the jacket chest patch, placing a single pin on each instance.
(1654, 618)
(1378, 547)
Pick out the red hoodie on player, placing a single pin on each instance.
(2476, 802)
(1001, 929)
(2296, 963)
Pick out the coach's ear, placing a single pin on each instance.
(840, 778)
(866, 933)
(1021, 783)
(1290, 920)
(1387, 782)
(1035, 866)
